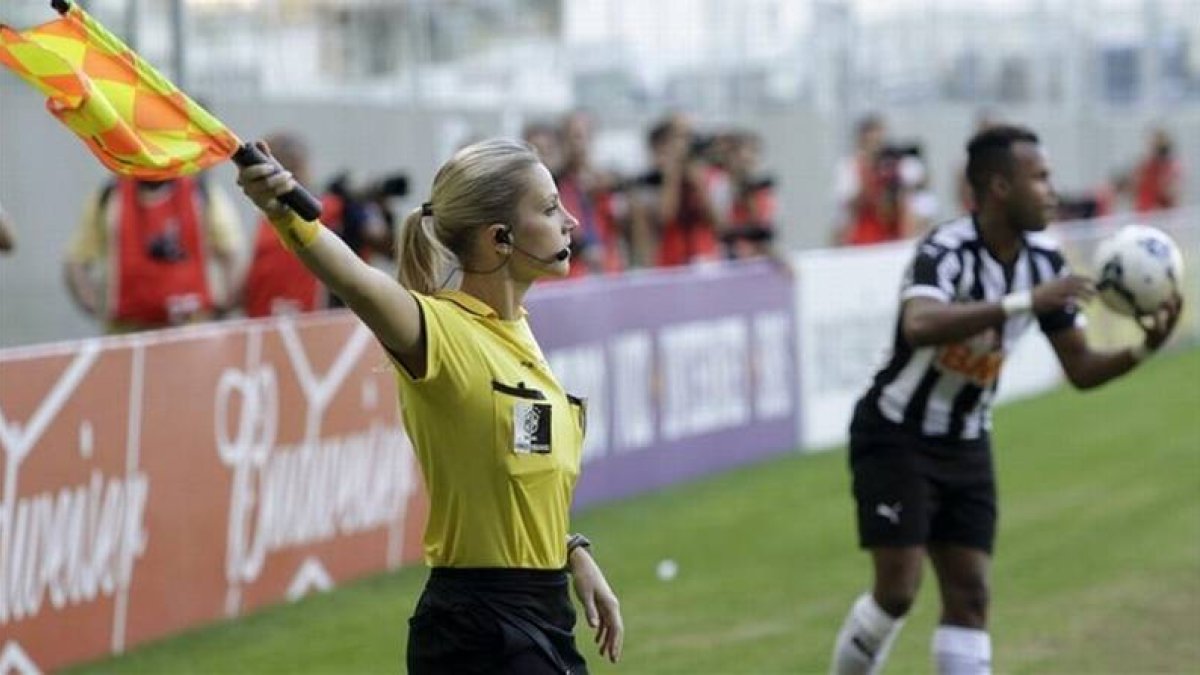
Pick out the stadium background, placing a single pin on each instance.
(385, 86)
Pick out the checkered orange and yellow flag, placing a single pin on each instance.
(133, 119)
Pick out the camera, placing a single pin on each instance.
(166, 248)
(900, 166)
(898, 151)
(349, 188)
(700, 146)
(760, 183)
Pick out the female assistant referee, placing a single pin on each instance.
(498, 439)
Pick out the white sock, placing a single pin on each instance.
(865, 638)
(962, 651)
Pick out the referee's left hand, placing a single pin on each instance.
(600, 604)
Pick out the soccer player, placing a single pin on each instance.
(920, 453)
(498, 440)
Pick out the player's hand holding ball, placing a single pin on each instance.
(1160, 323)
(1141, 272)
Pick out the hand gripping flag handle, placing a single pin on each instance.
(299, 200)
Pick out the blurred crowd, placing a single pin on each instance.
(149, 255)
(703, 197)
(884, 189)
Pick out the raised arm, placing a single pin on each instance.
(1086, 368)
(387, 308)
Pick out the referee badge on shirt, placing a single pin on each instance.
(531, 428)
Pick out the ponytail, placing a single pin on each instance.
(480, 185)
(422, 258)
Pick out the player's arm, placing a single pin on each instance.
(225, 240)
(930, 320)
(670, 194)
(1086, 368)
(643, 230)
(83, 251)
(929, 315)
(713, 208)
(387, 308)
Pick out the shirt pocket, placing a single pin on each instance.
(579, 408)
(524, 429)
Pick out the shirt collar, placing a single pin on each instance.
(473, 304)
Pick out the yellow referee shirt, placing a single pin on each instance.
(498, 440)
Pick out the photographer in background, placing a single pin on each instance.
(358, 212)
(673, 214)
(1159, 177)
(912, 184)
(750, 223)
(277, 283)
(588, 194)
(363, 210)
(870, 189)
(362, 215)
(154, 254)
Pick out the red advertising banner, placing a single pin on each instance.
(157, 482)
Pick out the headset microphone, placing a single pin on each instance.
(557, 257)
(505, 237)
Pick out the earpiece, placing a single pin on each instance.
(505, 236)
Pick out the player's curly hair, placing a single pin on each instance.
(989, 152)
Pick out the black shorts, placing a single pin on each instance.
(494, 621)
(913, 490)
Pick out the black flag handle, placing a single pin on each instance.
(299, 200)
(61, 6)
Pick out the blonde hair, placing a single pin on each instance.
(480, 185)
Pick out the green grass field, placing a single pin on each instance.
(1097, 568)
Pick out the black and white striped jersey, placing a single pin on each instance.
(946, 390)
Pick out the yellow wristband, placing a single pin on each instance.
(296, 232)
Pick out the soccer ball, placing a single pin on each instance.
(1138, 269)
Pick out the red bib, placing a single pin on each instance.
(159, 276)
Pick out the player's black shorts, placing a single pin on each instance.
(502, 621)
(913, 490)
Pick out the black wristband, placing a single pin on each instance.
(575, 541)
